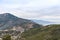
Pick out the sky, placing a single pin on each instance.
(48, 10)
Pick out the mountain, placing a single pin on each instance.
(49, 32)
(11, 22)
(42, 22)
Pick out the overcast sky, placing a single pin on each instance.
(48, 10)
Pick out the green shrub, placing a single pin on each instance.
(6, 37)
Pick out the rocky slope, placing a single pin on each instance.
(11, 22)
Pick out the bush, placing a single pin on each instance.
(6, 37)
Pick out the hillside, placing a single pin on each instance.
(11, 22)
(49, 32)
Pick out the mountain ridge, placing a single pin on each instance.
(8, 21)
(42, 22)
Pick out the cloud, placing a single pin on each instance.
(30, 3)
(32, 9)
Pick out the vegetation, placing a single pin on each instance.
(6, 37)
(49, 32)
